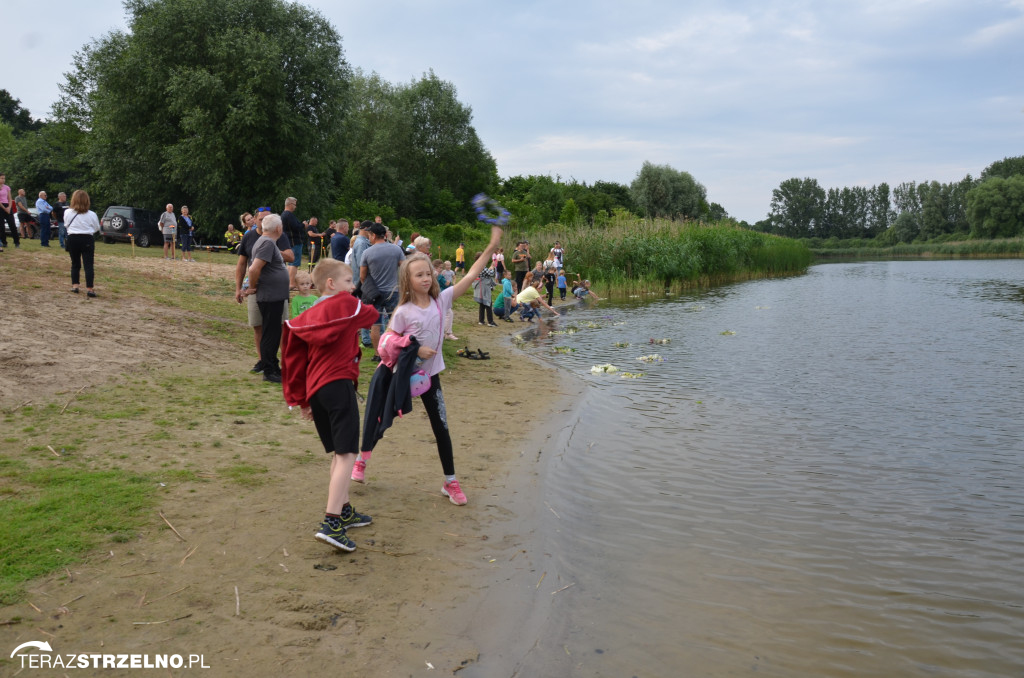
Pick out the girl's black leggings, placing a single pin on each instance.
(433, 403)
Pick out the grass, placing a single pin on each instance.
(50, 517)
(123, 443)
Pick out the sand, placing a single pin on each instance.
(239, 579)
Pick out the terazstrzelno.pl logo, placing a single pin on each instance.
(94, 660)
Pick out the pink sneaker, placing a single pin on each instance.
(454, 493)
(359, 472)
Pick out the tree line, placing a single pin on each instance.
(260, 103)
(991, 206)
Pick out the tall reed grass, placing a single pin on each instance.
(633, 255)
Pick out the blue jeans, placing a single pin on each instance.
(62, 233)
(44, 229)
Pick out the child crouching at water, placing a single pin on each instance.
(319, 369)
(420, 313)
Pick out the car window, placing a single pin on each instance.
(119, 211)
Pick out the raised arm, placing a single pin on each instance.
(478, 265)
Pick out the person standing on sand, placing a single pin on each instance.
(268, 280)
(293, 229)
(320, 369)
(25, 222)
(187, 231)
(82, 226)
(44, 208)
(253, 315)
(380, 263)
(168, 224)
(58, 218)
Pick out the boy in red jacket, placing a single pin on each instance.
(319, 370)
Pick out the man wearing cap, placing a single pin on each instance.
(380, 262)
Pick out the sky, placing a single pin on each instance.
(741, 94)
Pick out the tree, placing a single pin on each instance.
(413, 147)
(1005, 168)
(880, 212)
(12, 113)
(661, 191)
(797, 208)
(995, 207)
(244, 109)
(570, 213)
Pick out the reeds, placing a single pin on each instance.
(999, 248)
(644, 256)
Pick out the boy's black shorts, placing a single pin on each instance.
(336, 416)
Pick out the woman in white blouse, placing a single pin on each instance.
(82, 227)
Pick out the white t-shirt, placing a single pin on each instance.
(426, 325)
(81, 223)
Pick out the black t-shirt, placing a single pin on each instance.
(58, 212)
(249, 240)
(292, 227)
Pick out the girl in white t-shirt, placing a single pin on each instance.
(420, 313)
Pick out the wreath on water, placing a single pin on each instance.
(489, 211)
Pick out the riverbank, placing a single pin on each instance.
(224, 564)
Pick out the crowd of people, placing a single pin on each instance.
(369, 292)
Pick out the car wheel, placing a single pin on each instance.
(143, 240)
(117, 222)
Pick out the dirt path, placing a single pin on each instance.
(240, 580)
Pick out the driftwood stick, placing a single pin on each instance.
(72, 399)
(171, 526)
(164, 621)
(194, 549)
(564, 588)
(168, 595)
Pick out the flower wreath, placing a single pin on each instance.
(489, 211)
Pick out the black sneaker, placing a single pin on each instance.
(272, 376)
(375, 358)
(335, 537)
(257, 368)
(355, 520)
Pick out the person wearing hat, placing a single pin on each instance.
(379, 263)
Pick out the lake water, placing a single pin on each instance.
(823, 477)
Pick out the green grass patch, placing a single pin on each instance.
(51, 517)
(247, 475)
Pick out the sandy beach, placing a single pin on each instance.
(239, 579)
